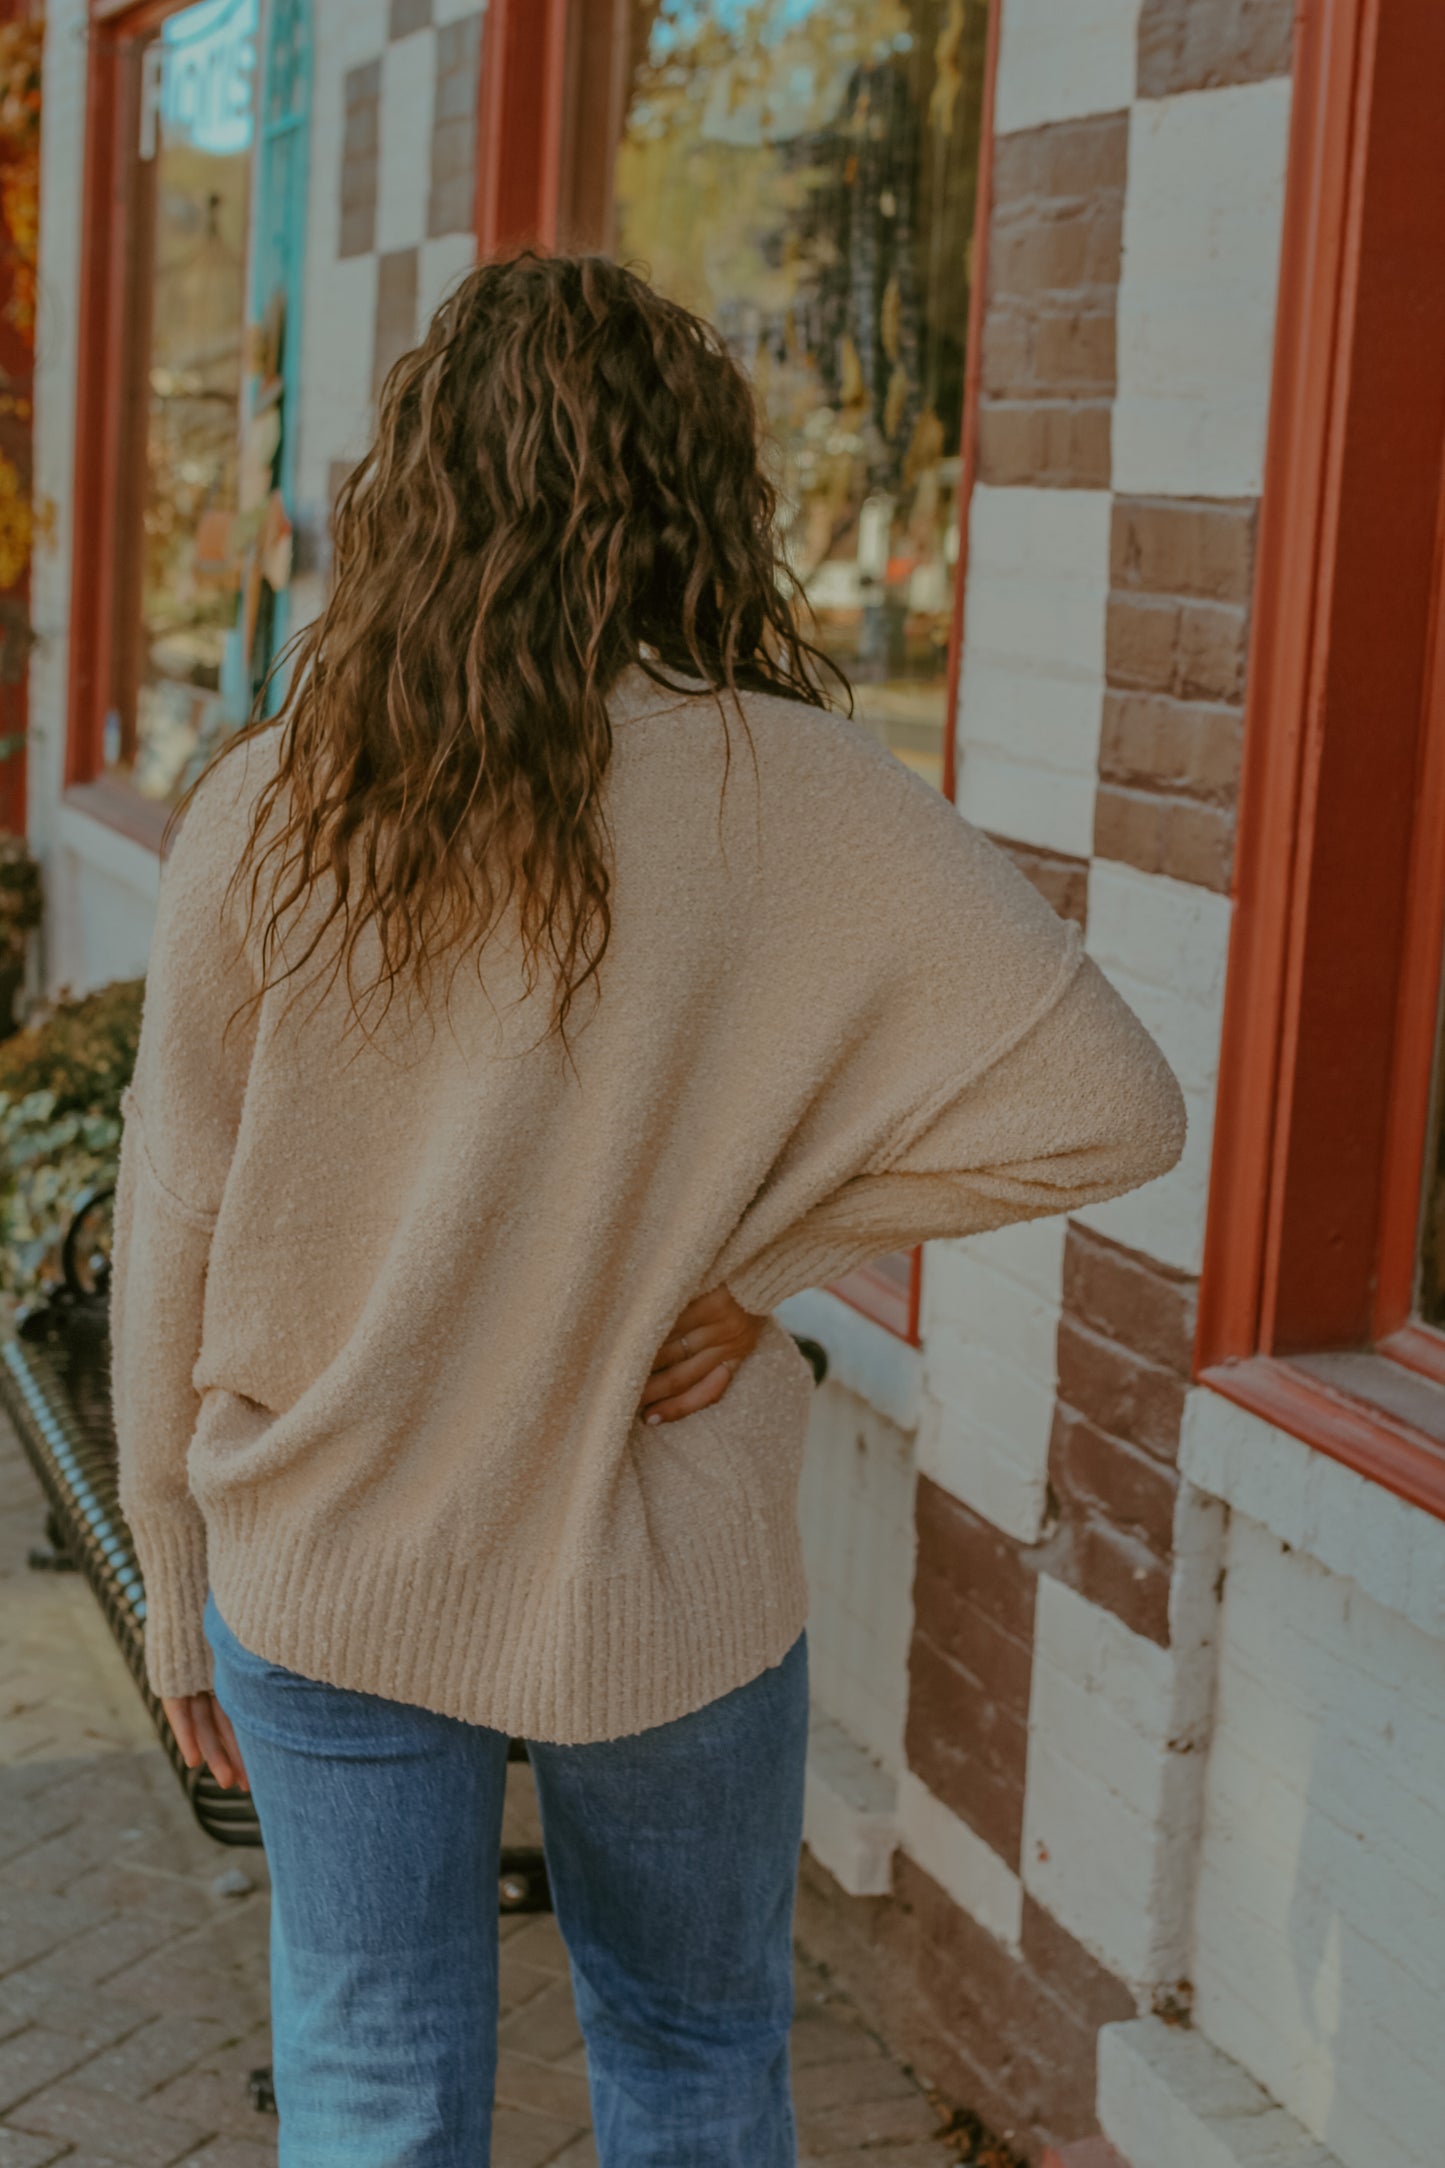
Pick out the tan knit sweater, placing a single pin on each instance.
(384, 1309)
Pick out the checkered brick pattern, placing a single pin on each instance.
(392, 224)
(1057, 1698)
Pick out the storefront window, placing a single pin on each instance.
(804, 175)
(187, 631)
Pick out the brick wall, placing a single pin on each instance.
(391, 218)
(1060, 1674)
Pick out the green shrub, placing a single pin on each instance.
(60, 1087)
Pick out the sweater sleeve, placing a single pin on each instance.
(1080, 1108)
(181, 1119)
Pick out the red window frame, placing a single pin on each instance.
(105, 485)
(532, 50)
(1333, 994)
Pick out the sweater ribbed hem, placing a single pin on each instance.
(170, 1544)
(570, 1661)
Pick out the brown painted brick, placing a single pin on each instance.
(450, 203)
(1113, 1569)
(1048, 366)
(1164, 644)
(1205, 44)
(1175, 656)
(1076, 1978)
(1172, 836)
(1124, 1356)
(1063, 882)
(968, 1747)
(1189, 747)
(1120, 1390)
(1065, 445)
(970, 1665)
(1073, 349)
(360, 159)
(1088, 157)
(981, 1566)
(1094, 1472)
(1013, 2035)
(408, 15)
(396, 304)
(1184, 546)
(1121, 1293)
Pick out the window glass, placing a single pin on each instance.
(184, 660)
(802, 172)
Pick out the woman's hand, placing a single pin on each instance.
(203, 1734)
(695, 1364)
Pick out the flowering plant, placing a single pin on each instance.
(60, 1087)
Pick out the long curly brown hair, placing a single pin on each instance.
(567, 478)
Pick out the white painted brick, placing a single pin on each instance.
(1033, 666)
(1031, 1253)
(1107, 1826)
(850, 1810)
(1167, 2099)
(1320, 1955)
(969, 1374)
(1159, 933)
(856, 1514)
(968, 1297)
(1049, 808)
(1355, 1527)
(969, 1870)
(986, 1473)
(1164, 945)
(1197, 293)
(337, 345)
(984, 1429)
(408, 88)
(1056, 62)
(443, 262)
(354, 32)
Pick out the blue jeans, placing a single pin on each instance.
(673, 1860)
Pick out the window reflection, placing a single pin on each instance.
(185, 676)
(804, 174)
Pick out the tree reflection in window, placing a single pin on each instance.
(804, 175)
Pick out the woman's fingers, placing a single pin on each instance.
(212, 1744)
(702, 1395)
(713, 1335)
(681, 1377)
(713, 1320)
(706, 1309)
(179, 1716)
(701, 1343)
(229, 1740)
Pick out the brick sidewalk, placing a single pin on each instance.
(133, 1990)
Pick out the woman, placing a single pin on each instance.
(551, 989)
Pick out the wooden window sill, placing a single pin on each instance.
(1376, 1415)
(118, 805)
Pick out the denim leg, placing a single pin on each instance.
(382, 1825)
(673, 1857)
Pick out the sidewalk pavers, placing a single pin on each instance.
(133, 1992)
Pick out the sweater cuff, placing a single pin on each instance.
(171, 1546)
(872, 1216)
